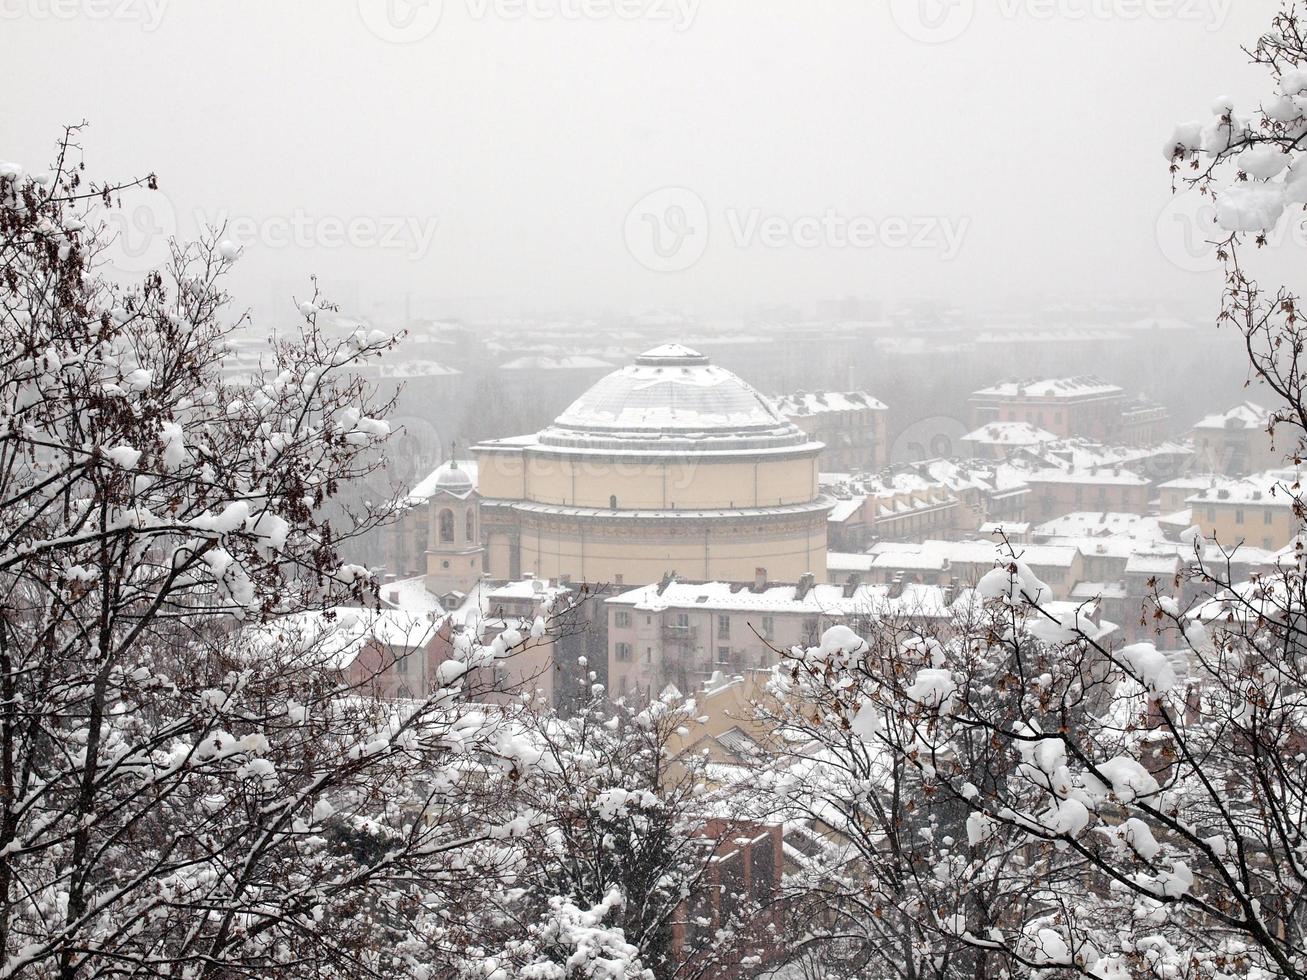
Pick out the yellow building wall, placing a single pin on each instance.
(1220, 520)
(639, 556)
(501, 475)
(686, 484)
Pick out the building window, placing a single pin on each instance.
(621, 619)
(683, 619)
(648, 655)
(1238, 516)
(469, 525)
(723, 627)
(447, 525)
(723, 655)
(768, 627)
(1266, 517)
(612, 501)
(401, 664)
(1211, 515)
(623, 651)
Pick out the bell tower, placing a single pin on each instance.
(454, 551)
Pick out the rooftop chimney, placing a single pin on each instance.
(852, 584)
(806, 582)
(896, 585)
(759, 579)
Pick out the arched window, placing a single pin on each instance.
(612, 501)
(447, 525)
(470, 527)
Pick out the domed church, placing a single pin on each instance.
(668, 464)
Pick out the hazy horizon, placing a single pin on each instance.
(561, 156)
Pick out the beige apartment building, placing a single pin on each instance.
(850, 424)
(1236, 442)
(1257, 510)
(670, 464)
(681, 633)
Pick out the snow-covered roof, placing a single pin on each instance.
(1082, 386)
(934, 554)
(416, 369)
(1097, 523)
(1009, 434)
(1080, 453)
(1005, 527)
(673, 399)
(1152, 564)
(458, 478)
(1248, 415)
(844, 509)
(1114, 476)
(822, 599)
(817, 402)
(1259, 490)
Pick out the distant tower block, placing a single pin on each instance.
(454, 551)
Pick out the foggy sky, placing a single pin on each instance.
(519, 136)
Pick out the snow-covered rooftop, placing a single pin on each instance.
(1248, 415)
(1082, 386)
(1269, 489)
(455, 477)
(673, 399)
(822, 599)
(1009, 434)
(817, 402)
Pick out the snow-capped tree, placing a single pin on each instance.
(1086, 807)
(879, 833)
(185, 789)
(623, 833)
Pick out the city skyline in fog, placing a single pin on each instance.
(493, 158)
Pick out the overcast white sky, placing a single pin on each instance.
(496, 155)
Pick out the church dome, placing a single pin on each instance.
(672, 399)
(452, 479)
